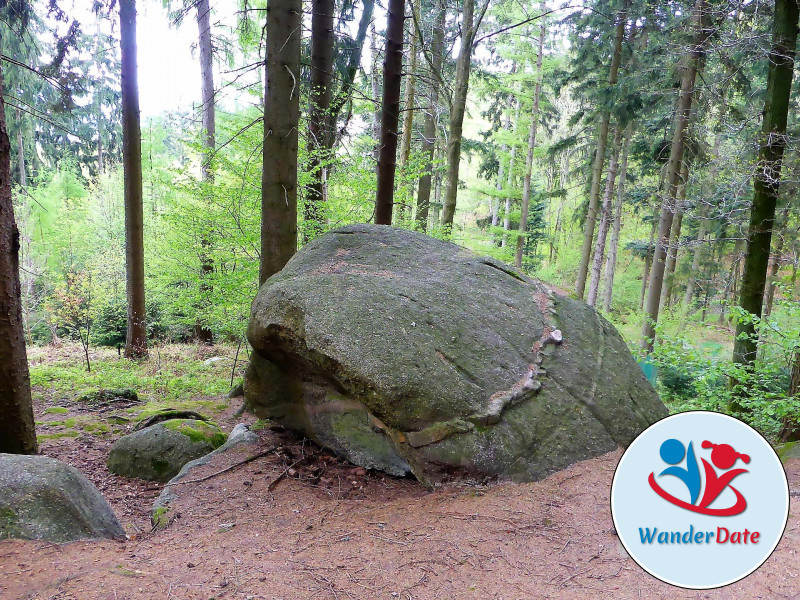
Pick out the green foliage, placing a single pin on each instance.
(692, 378)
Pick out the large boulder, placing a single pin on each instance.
(159, 452)
(44, 499)
(405, 353)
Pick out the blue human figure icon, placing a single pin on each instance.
(672, 453)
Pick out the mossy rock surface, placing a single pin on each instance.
(44, 499)
(159, 452)
(406, 353)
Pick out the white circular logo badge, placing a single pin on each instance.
(700, 500)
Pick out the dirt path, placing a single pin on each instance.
(332, 531)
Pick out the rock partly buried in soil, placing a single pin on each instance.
(159, 452)
(404, 353)
(160, 514)
(44, 499)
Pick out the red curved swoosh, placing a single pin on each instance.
(737, 508)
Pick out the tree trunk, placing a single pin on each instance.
(281, 120)
(774, 267)
(429, 127)
(510, 184)
(599, 158)
(203, 333)
(17, 432)
(498, 186)
(390, 114)
(681, 122)
(526, 186)
(23, 177)
(648, 261)
(457, 111)
(605, 219)
(136, 341)
(100, 165)
(408, 112)
(611, 259)
(207, 81)
(674, 240)
(375, 81)
(698, 249)
(768, 174)
(318, 119)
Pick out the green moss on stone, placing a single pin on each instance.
(56, 410)
(197, 431)
(160, 518)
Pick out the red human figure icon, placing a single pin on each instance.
(724, 457)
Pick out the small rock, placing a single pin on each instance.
(44, 499)
(360, 472)
(212, 361)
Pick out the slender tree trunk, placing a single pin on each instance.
(674, 240)
(457, 111)
(526, 186)
(23, 177)
(375, 81)
(429, 128)
(599, 158)
(648, 261)
(768, 174)
(698, 249)
(390, 113)
(408, 113)
(345, 92)
(100, 165)
(774, 267)
(202, 332)
(207, 81)
(322, 37)
(17, 432)
(498, 186)
(136, 342)
(510, 184)
(605, 219)
(281, 120)
(611, 259)
(681, 122)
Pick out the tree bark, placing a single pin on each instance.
(408, 111)
(768, 174)
(510, 184)
(774, 267)
(429, 127)
(698, 250)
(648, 260)
(390, 113)
(17, 431)
(599, 158)
(376, 92)
(23, 176)
(320, 102)
(136, 341)
(526, 186)
(458, 108)
(681, 122)
(281, 120)
(611, 259)
(207, 82)
(203, 333)
(605, 219)
(674, 240)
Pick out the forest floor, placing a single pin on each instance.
(327, 529)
